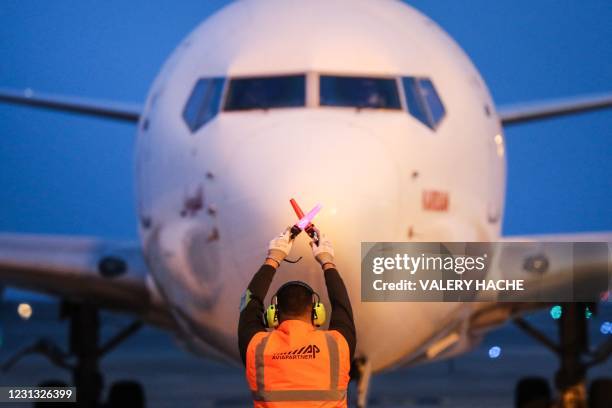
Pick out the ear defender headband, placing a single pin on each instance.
(270, 316)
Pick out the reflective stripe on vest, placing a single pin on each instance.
(331, 394)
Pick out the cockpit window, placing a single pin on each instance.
(359, 92)
(203, 103)
(266, 93)
(423, 101)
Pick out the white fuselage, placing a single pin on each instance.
(210, 200)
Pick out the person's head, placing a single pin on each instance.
(295, 303)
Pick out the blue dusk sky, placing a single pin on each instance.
(67, 174)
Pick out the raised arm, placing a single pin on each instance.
(252, 302)
(341, 318)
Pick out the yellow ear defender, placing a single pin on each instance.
(270, 316)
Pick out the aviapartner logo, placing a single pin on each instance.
(304, 353)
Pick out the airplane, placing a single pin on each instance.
(399, 139)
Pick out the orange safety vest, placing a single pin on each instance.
(298, 366)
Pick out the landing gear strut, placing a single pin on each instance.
(570, 379)
(575, 359)
(83, 344)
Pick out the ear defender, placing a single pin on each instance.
(270, 316)
(318, 316)
(318, 311)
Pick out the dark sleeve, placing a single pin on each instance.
(251, 312)
(341, 318)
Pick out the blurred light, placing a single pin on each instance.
(556, 312)
(494, 352)
(588, 313)
(499, 142)
(605, 296)
(606, 328)
(24, 310)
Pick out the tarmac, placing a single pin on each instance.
(174, 378)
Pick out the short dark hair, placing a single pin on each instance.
(294, 300)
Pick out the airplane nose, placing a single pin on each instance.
(341, 166)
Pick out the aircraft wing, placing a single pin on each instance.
(110, 110)
(111, 275)
(599, 236)
(521, 113)
(508, 114)
(491, 315)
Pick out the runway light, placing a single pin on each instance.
(24, 310)
(556, 311)
(494, 352)
(606, 328)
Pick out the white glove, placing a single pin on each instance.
(280, 246)
(324, 253)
